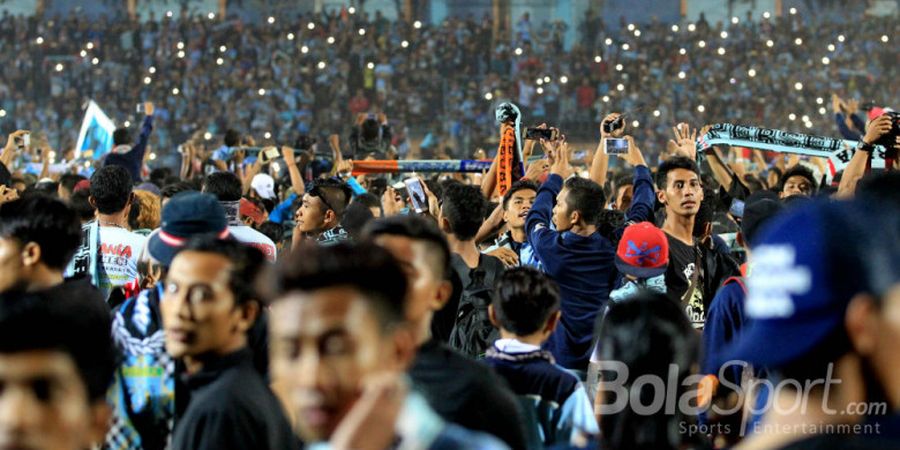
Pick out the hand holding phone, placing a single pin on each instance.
(268, 154)
(615, 146)
(548, 134)
(416, 194)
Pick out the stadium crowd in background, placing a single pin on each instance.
(278, 296)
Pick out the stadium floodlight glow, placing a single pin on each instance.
(539, 81)
(681, 75)
(518, 51)
(152, 69)
(152, 156)
(701, 44)
(831, 47)
(635, 124)
(83, 53)
(290, 36)
(417, 24)
(59, 67)
(805, 118)
(330, 39)
(540, 90)
(701, 108)
(674, 28)
(311, 26)
(2, 113)
(792, 11)
(362, 31)
(637, 33)
(767, 15)
(884, 38)
(822, 110)
(261, 91)
(630, 27)
(620, 87)
(605, 99)
(211, 16)
(608, 41)
(825, 60)
(597, 59)
(723, 34)
(488, 96)
(95, 61)
(721, 51)
(682, 51)
(370, 65)
(625, 46)
(321, 65)
(180, 53)
(563, 79)
(271, 20)
(179, 45)
(692, 27)
(222, 49)
(735, 20)
(168, 13)
(792, 116)
(175, 91)
(820, 100)
(808, 124)
(39, 40)
(351, 10)
(798, 41)
(207, 135)
(619, 67)
(656, 113)
(770, 43)
(220, 61)
(732, 80)
(798, 86)
(268, 135)
(147, 80)
(841, 38)
(404, 44)
(304, 49)
(751, 73)
(89, 46)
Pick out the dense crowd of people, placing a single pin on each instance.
(274, 293)
(311, 74)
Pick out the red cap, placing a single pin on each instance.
(249, 209)
(83, 184)
(643, 251)
(875, 112)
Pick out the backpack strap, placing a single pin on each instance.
(738, 280)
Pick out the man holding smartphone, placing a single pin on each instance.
(131, 157)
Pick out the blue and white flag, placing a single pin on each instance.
(96, 133)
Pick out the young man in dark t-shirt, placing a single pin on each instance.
(695, 271)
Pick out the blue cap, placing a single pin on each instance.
(186, 215)
(809, 263)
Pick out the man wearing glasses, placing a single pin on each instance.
(319, 216)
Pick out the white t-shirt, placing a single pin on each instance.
(118, 257)
(254, 238)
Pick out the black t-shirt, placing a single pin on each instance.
(683, 260)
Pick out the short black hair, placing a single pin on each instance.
(272, 230)
(225, 186)
(121, 136)
(81, 204)
(111, 189)
(159, 175)
(520, 185)
(337, 194)
(464, 207)
(524, 299)
(418, 229)
(355, 218)
(369, 199)
(69, 180)
(32, 322)
(586, 197)
(705, 212)
(232, 137)
(799, 170)
(377, 276)
(670, 164)
(369, 129)
(881, 187)
(247, 264)
(173, 189)
(46, 221)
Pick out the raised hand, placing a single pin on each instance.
(685, 142)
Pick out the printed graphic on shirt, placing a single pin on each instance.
(118, 257)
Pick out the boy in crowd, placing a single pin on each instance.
(109, 251)
(512, 247)
(319, 215)
(526, 310)
(226, 187)
(209, 306)
(695, 270)
(459, 389)
(56, 362)
(341, 341)
(797, 180)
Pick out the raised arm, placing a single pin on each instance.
(600, 164)
(296, 179)
(857, 167)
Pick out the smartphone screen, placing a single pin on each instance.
(540, 133)
(140, 108)
(615, 146)
(416, 194)
(737, 208)
(270, 153)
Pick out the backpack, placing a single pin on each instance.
(473, 333)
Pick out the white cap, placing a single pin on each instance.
(264, 185)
